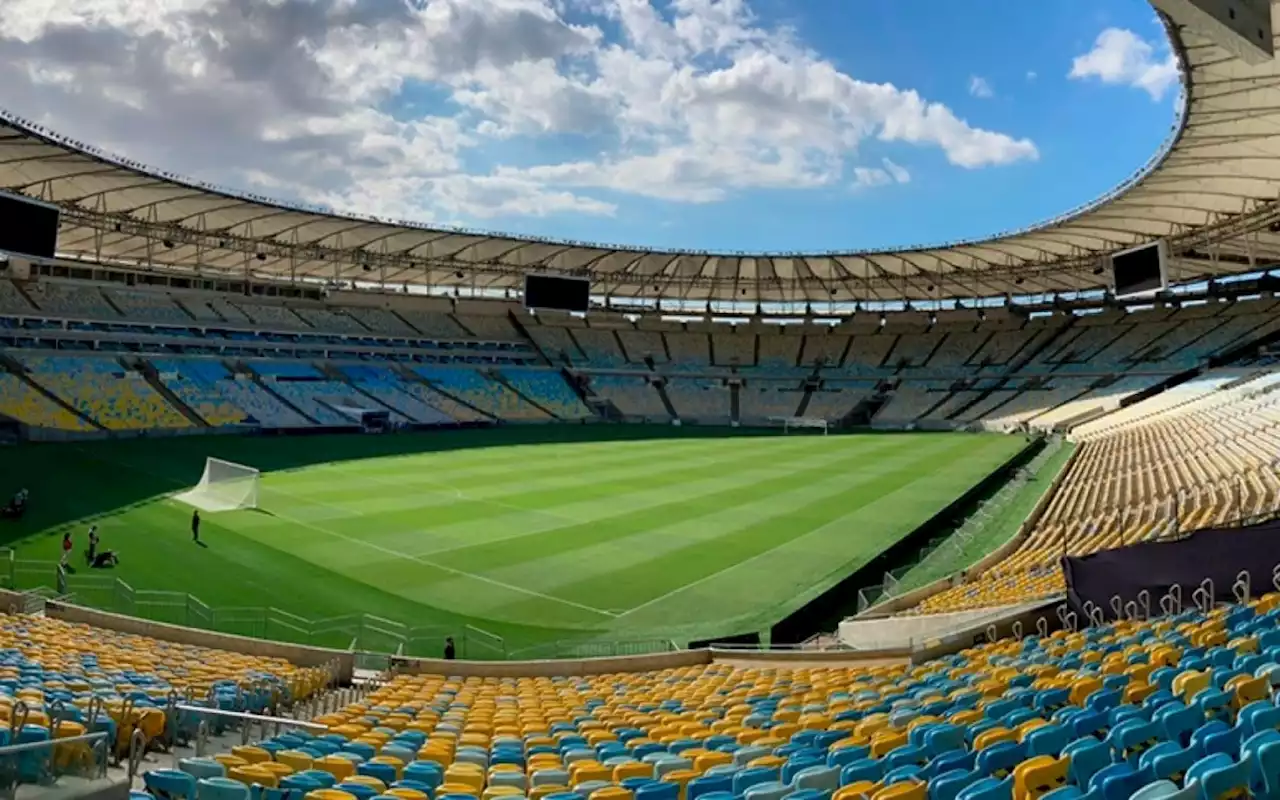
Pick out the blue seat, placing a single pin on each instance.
(222, 789)
(170, 784)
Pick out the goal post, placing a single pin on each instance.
(224, 486)
(790, 424)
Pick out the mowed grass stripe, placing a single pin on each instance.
(791, 471)
(651, 574)
(519, 488)
(432, 471)
(414, 525)
(767, 579)
(764, 499)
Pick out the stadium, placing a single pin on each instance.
(323, 506)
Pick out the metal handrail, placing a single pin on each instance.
(50, 743)
(297, 723)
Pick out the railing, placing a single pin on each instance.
(374, 640)
(43, 763)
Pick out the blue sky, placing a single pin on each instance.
(705, 124)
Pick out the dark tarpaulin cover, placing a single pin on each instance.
(1219, 554)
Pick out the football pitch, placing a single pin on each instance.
(529, 535)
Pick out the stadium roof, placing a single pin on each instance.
(1212, 190)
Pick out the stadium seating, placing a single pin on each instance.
(549, 390)
(77, 301)
(1205, 461)
(556, 344)
(634, 397)
(270, 316)
(1175, 707)
(19, 401)
(601, 348)
(318, 399)
(325, 319)
(761, 400)
(148, 306)
(699, 399)
(381, 320)
(198, 383)
(640, 345)
(737, 349)
(689, 350)
(489, 396)
(493, 328)
(12, 301)
(103, 390)
(836, 399)
(434, 325)
(392, 391)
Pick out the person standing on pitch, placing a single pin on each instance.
(195, 526)
(449, 652)
(93, 543)
(66, 548)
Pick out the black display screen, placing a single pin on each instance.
(27, 228)
(559, 294)
(1138, 271)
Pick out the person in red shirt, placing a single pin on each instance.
(66, 547)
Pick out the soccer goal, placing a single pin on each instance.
(790, 424)
(224, 486)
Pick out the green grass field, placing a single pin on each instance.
(535, 534)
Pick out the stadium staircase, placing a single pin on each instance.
(735, 403)
(152, 375)
(661, 388)
(15, 367)
(804, 400)
(332, 372)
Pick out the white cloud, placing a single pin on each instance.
(869, 177)
(1031, 75)
(980, 87)
(1120, 56)
(405, 108)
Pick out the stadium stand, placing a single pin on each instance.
(689, 350)
(198, 383)
(103, 390)
(18, 400)
(1191, 459)
(326, 319)
(836, 399)
(699, 399)
(600, 347)
(910, 402)
(737, 349)
(640, 345)
(759, 401)
(13, 301)
(827, 350)
(148, 306)
(270, 317)
(434, 325)
(494, 328)
(388, 388)
(1140, 709)
(225, 311)
(381, 320)
(779, 351)
(476, 390)
(549, 390)
(556, 344)
(76, 301)
(634, 397)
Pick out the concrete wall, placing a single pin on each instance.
(551, 668)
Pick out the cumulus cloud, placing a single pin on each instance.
(1121, 57)
(979, 87)
(403, 108)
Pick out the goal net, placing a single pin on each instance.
(790, 424)
(224, 486)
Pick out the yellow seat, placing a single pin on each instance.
(907, 790)
(1036, 777)
(492, 792)
(299, 761)
(339, 768)
(611, 793)
(251, 754)
(406, 794)
(367, 780)
(329, 794)
(540, 792)
(250, 774)
(632, 769)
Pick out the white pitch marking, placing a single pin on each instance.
(372, 546)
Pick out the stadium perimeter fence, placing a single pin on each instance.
(375, 639)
